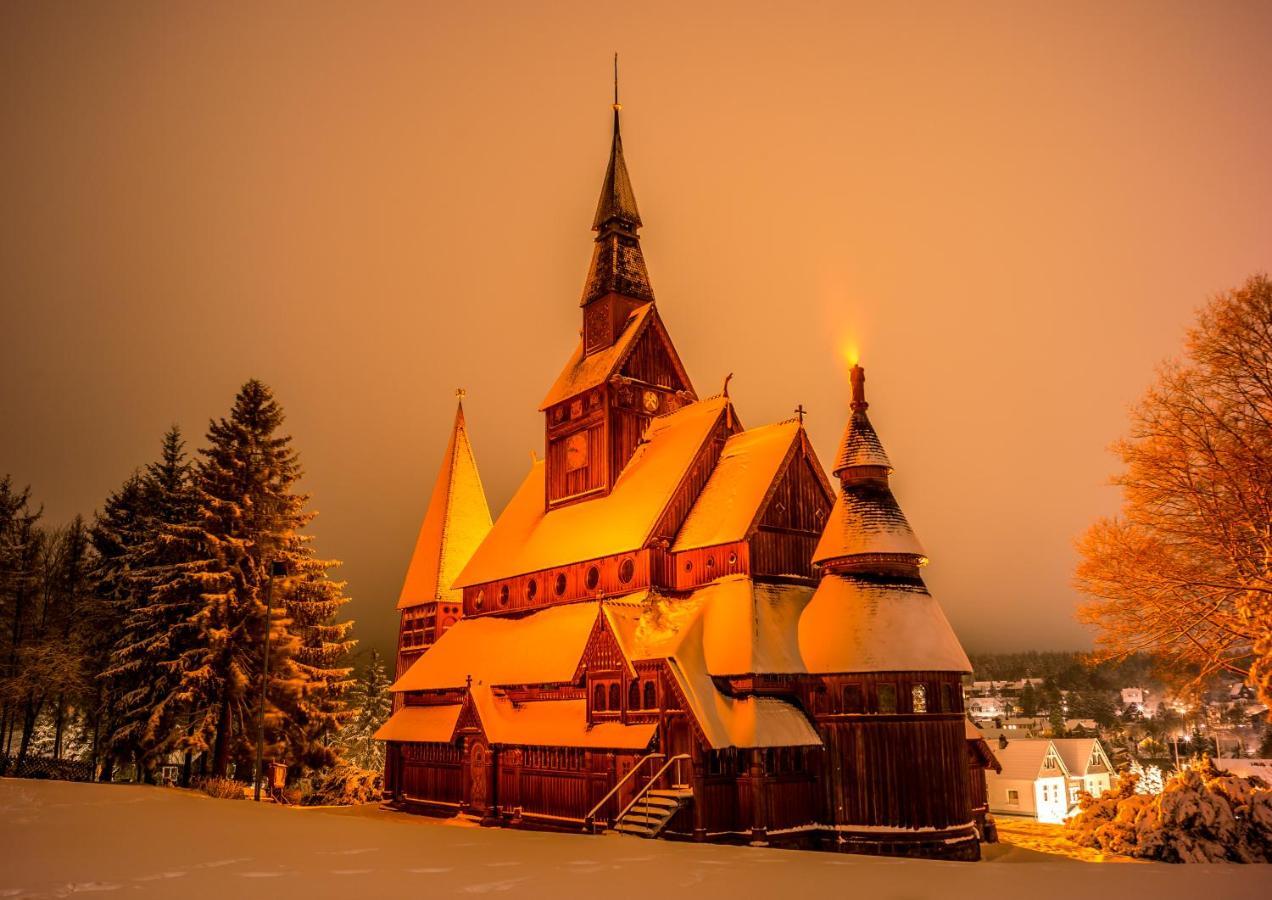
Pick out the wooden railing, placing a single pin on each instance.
(590, 819)
(644, 792)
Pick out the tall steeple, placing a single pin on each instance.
(617, 281)
(457, 520)
(867, 532)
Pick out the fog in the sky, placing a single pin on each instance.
(1012, 209)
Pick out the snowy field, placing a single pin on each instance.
(59, 839)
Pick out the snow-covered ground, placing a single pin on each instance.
(57, 839)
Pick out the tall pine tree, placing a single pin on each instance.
(248, 517)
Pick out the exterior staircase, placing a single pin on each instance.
(651, 813)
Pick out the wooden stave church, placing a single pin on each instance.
(678, 611)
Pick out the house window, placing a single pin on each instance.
(651, 696)
(598, 698)
(918, 698)
(633, 695)
(854, 698)
(615, 697)
(887, 696)
(1013, 797)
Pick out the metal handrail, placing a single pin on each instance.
(653, 781)
(590, 818)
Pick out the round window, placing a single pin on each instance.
(733, 559)
(532, 589)
(480, 601)
(688, 565)
(503, 595)
(627, 570)
(593, 578)
(559, 585)
(710, 562)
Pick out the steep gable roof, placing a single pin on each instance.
(457, 521)
(1022, 760)
(553, 723)
(582, 373)
(528, 538)
(1079, 754)
(735, 494)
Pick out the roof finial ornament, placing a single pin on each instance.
(724, 391)
(857, 377)
(800, 411)
(617, 105)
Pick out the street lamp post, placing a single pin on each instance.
(276, 568)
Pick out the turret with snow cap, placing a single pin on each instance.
(866, 531)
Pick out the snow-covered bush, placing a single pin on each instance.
(222, 788)
(1148, 779)
(344, 785)
(1201, 815)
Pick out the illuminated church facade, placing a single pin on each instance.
(679, 627)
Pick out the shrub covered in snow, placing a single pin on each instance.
(222, 788)
(1201, 815)
(344, 785)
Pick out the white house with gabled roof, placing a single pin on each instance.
(1089, 766)
(1034, 781)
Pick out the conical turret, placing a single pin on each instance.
(866, 531)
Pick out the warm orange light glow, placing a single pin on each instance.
(852, 353)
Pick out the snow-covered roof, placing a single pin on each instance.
(860, 445)
(541, 648)
(730, 503)
(855, 625)
(526, 538)
(981, 745)
(1081, 754)
(432, 724)
(747, 628)
(1022, 759)
(582, 373)
(457, 520)
(866, 519)
(553, 723)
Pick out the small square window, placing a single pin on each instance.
(887, 695)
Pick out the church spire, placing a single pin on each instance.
(618, 266)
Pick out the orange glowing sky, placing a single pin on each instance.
(1010, 210)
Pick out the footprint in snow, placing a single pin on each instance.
(433, 870)
(260, 874)
(491, 887)
(351, 871)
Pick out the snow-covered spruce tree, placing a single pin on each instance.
(370, 704)
(143, 679)
(248, 517)
(19, 552)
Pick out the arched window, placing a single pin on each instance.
(598, 698)
(651, 696)
(615, 697)
(633, 695)
(918, 698)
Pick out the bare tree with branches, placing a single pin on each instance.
(1184, 570)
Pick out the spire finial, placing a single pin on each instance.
(857, 376)
(617, 105)
(461, 394)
